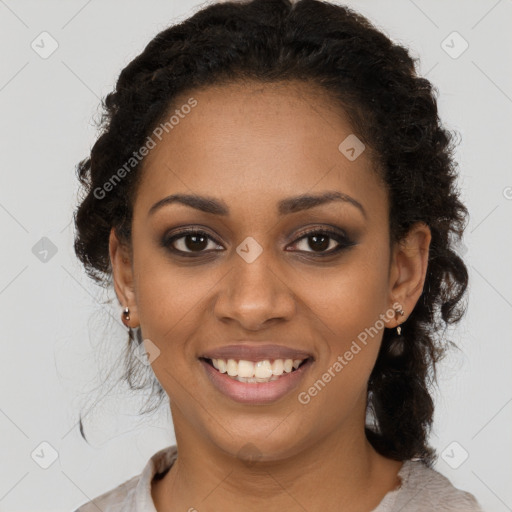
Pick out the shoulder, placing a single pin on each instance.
(425, 489)
(112, 500)
(133, 495)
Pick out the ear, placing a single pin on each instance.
(122, 275)
(408, 270)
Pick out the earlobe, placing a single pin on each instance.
(122, 277)
(409, 269)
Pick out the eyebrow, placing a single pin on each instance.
(284, 207)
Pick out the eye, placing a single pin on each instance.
(322, 239)
(189, 241)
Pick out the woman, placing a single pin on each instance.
(273, 199)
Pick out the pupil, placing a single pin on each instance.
(195, 245)
(322, 245)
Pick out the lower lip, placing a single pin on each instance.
(255, 392)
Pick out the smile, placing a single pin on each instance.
(255, 382)
(256, 371)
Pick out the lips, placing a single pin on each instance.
(256, 352)
(256, 393)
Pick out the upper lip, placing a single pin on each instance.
(255, 352)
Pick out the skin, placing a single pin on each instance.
(267, 143)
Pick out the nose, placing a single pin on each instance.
(254, 294)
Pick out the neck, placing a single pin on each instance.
(341, 471)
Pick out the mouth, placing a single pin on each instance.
(255, 382)
(265, 370)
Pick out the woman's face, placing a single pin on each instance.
(263, 271)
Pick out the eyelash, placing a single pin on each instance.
(343, 241)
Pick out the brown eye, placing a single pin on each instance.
(323, 242)
(318, 242)
(189, 241)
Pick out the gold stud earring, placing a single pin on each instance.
(126, 314)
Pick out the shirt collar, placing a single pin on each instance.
(140, 500)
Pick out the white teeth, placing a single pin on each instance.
(260, 371)
(222, 365)
(245, 369)
(232, 367)
(254, 379)
(277, 367)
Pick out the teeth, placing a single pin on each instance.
(221, 365)
(245, 369)
(278, 367)
(260, 371)
(232, 368)
(254, 379)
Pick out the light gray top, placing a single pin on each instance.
(422, 490)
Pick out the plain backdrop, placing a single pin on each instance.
(59, 332)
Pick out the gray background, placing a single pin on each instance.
(59, 331)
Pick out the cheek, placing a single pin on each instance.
(351, 297)
(167, 294)
(348, 305)
(171, 302)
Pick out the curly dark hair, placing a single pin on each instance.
(391, 109)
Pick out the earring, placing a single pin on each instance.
(399, 328)
(126, 314)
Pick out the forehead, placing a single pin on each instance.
(256, 140)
